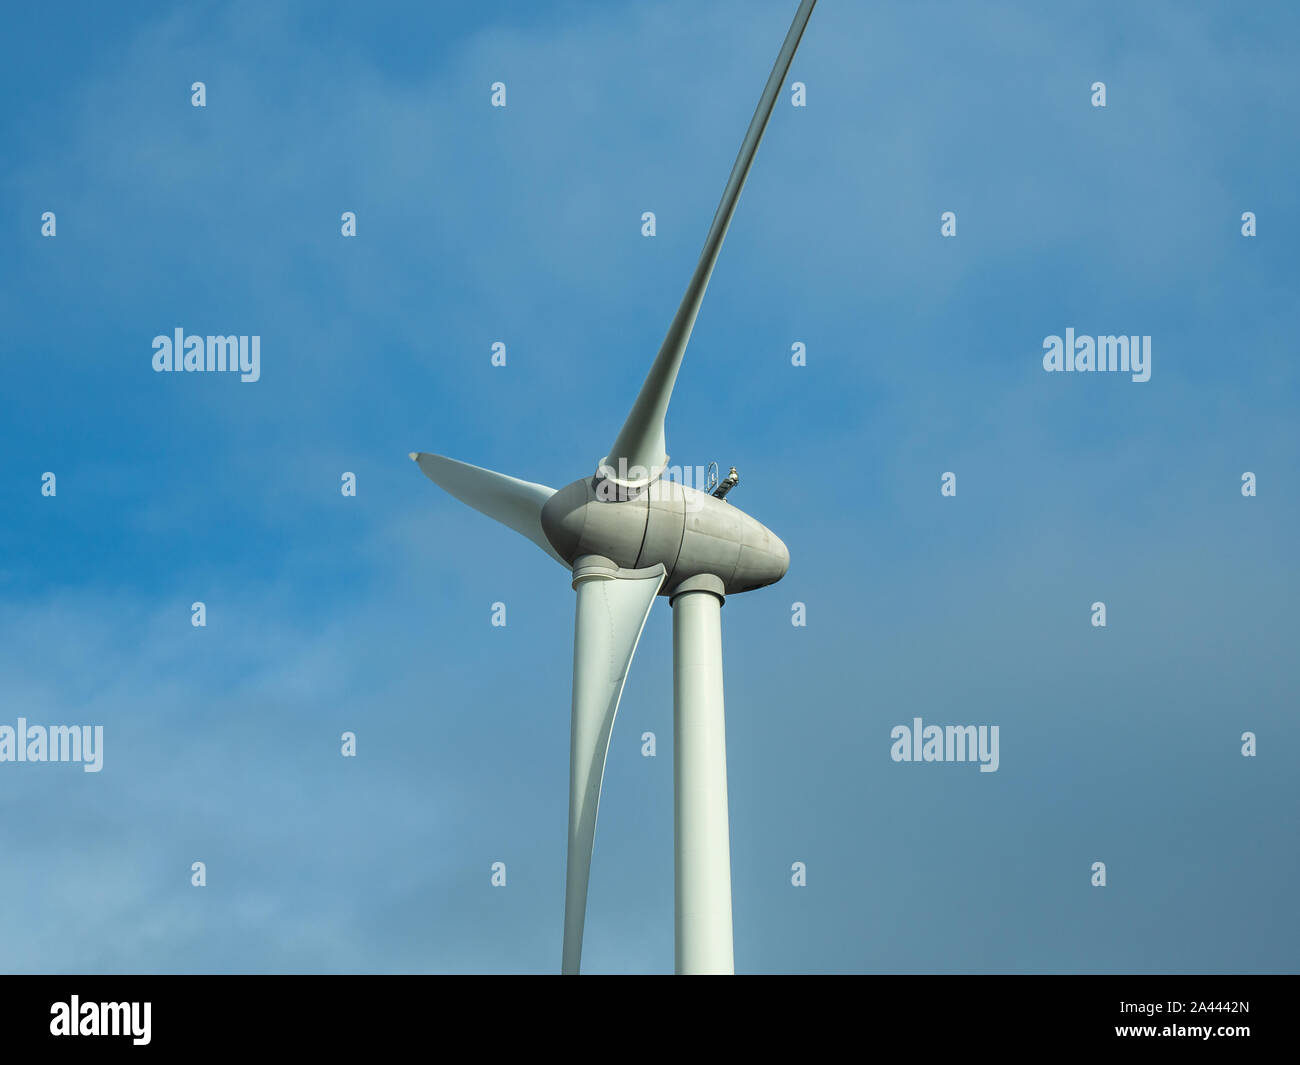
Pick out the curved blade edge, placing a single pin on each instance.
(612, 608)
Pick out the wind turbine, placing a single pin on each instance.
(629, 535)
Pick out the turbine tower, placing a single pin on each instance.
(628, 535)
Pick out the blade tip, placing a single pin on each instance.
(414, 456)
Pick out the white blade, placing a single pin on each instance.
(514, 503)
(641, 441)
(613, 605)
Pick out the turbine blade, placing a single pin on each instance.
(613, 605)
(514, 503)
(641, 442)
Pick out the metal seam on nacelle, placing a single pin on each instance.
(680, 540)
(645, 531)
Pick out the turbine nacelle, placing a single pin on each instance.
(686, 531)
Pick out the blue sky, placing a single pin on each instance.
(522, 225)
